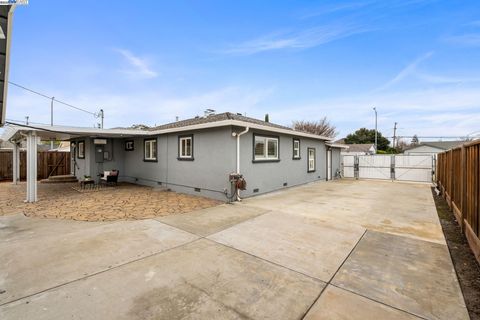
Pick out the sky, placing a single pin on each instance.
(147, 62)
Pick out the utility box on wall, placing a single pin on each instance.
(99, 153)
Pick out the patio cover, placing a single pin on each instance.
(15, 133)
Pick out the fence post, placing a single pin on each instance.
(356, 167)
(392, 167)
(463, 187)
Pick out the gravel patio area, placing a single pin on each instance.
(124, 202)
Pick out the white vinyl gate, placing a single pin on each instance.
(389, 167)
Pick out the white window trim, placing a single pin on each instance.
(295, 141)
(314, 160)
(265, 156)
(149, 142)
(181, 149)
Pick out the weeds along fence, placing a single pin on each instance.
(458, 178)
(48, 164)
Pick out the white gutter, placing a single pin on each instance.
(235, 134)
(79, 131)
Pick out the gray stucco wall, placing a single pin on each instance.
(89, 166)
(214, 152)
(270, 176)
(214, 159)
(82, 167)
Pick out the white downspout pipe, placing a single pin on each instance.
(235, 134)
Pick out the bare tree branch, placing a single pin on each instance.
(322, 127)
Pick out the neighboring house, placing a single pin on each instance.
(8, 146)
(64, 146)
(197, 155)
(431, 147)
(359, 149)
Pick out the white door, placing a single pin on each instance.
(329, 165)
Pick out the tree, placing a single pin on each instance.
(401, 145)
(267, 118)
(322, 127)
(364, 135)
(415, 139)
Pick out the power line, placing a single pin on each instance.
(50, 98)
(20, 121)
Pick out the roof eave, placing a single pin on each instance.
(239, 123)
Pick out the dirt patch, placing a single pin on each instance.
(466, 266)
(124, 202)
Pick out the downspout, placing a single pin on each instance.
(235, 134)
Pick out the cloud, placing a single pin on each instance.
(139, 66)
(328, 9)
(405, 72)
(148, 106)
(447, 111)
(363, 7)
(469, 39)
(304, 39)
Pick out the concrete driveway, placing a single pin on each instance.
(336, 250)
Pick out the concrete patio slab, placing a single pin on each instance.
(31, 265)
(339, 304)
(207, 221)
(375, 205)
(411, 275)
(302, 244)
(18, 227)
(200, 280)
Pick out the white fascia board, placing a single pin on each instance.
(336, 145)
(7, 64)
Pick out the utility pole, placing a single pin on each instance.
(26, 120)
(394, 134)
(101, 116)
(51, 120)
(375, 109)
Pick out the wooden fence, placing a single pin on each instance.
(48, 164)
(458, 178)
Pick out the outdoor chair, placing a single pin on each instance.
(109, 177)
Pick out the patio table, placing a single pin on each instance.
(84, 183)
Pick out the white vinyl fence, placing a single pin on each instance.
(389, 167)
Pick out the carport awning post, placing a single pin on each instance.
(32, 167)
(16, 162)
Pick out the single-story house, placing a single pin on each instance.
(431, 148)
(358, 149)
(198, 155)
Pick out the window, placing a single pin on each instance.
(185, 147)
(311, 160)
(296, 149)
(129, 146)
(265, 148)
(81, 149)
(150, 153)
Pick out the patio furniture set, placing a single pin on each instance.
(107, 178)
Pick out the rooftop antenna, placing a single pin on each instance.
(209, 112)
